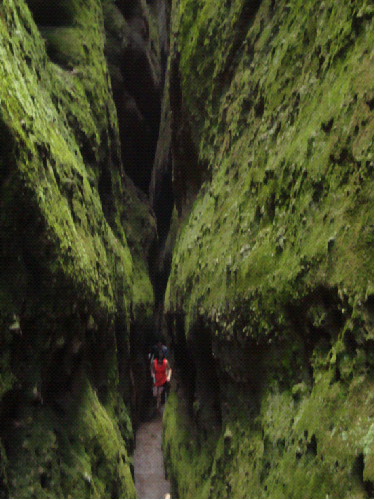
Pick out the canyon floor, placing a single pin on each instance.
(149, 474)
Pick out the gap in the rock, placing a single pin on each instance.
(149, 474)
(147, 160)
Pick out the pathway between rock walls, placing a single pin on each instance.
(149, 473)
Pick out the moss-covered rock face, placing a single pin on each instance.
(73, 265)
(271, 289)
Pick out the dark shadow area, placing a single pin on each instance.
(161, 280)
(312, 446)
(142, 339)
(106, 192)
(303, 317)
(6, 148)
(188, 171)
(185, 371)
(12, 409)
(63, 366)
(357, 471)
(161, 255)
(129, 8)
(164, 202)
(135, 70)
(195, 375)
(138, 107)
(207, 411)
(52, 12)
(240, 29)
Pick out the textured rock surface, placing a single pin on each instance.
(263, 190)
(133, 53)
(73, 264)
(270, 299)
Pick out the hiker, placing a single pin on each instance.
(159, 347)
(154, 353)
(161, 372)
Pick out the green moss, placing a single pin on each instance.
(289, 203)
(68, 275)
(186, 462)
(78, 111)
(283, 208)
(368, 443)
(62, 190)
(302, 444)
(275, 257)
(82, 456)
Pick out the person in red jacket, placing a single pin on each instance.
(161, 372)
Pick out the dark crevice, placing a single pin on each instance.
(44, 480)
(350, 343)
(161, 259)
(160, 278)
(327, 126)
(189, 172)
(129, 8)
(369, 305)
(312, 446)
(207, 387)
(6, 149)
(303, 318)
(12, 404)
(62, 375)
(358, 466)
(370, 104)
(357, 471)
(53, 13)
(185, 371)
(259, 107)
(105, 191)
(244, 22)
(4, 491)
(264, 473)
(137, 81)
(122, 350)
(164, 202)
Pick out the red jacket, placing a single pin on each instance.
(160, 372)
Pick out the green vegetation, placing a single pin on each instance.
(72, 267)
(90, 461)
(281, 191)
(271, 284)
(273, 264)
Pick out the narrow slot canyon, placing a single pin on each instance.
(198, 173)
(138, 87)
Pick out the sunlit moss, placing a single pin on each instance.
(66, 266)
(279, 98)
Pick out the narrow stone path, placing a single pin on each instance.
(149, 475)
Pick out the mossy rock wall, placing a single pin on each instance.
(269, 304)
(73, 260)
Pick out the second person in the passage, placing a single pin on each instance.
(161, 372)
